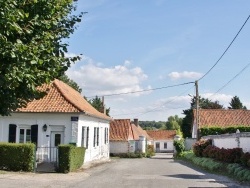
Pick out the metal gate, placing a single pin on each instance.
(46, 159)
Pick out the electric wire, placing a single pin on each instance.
(225, 50)
(145, 90)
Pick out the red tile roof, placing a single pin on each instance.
(124, 130)
(223, 117)
(162, 134)
(61, 98)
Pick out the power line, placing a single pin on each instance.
(226, 49)
(145, 90)
(244, 68)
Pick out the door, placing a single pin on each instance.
(157, 147)
(56, 140)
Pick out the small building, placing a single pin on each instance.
(127, 136)
(62, 116)
(163, 140)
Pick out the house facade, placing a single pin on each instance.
(127, 136)
(62, 116)
(163, 140)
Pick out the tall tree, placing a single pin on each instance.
(33, 47)
(70, 82)
(98, 105)
(204, 103)
(173, 123)
(236, 103)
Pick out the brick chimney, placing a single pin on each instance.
(136, 122)
(103, 110)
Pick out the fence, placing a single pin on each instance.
(47, 154)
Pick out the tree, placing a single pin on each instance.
(70, 82)
(204, 103)
(236, 104)
(98, 105)
(33, 47)
(173, 123)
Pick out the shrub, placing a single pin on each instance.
(245, 159)
(200, 145)
(219, 130)
(150, 151)
(22, 156)
(179, 146)
(70, 158)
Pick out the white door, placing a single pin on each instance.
(56, 140)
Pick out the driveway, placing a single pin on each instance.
(160, 171)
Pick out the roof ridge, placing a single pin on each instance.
(56, 83)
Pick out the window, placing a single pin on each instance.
(165, 145)
(24, 135)
(57, 139)
(96, 136)
(85, 137)
(106, 135)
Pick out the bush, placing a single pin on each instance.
(179, 146)
(128, 155)
(150, 151)
(70, 158)
(245, 159)
(17, 157)
(200, 145)
(219, 130)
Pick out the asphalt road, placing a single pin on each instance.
(159, 172)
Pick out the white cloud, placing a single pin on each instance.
(184, 74)
(95, 79)
(222, 98)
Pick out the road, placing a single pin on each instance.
(160, 172)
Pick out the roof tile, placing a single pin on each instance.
(162, 134)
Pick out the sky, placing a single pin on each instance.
(161, 47)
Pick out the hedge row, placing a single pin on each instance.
(219, 130)
(17, 157)
(70, 158)
(204, 148)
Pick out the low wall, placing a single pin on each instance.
(189, 143)
(234, 140)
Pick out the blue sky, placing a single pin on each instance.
(132, 45)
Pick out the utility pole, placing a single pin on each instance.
(197, 110)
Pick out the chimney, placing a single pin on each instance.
(136, 122)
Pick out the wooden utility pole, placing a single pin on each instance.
(197, 110)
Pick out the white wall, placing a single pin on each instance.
(119, 147)
(170, 145)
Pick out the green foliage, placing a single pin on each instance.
(98, 105)
(238, 172)
(128, 155)
(150, 151)
(151, 125)
(17, 157)
(173, 123)
(220, 130)
(236, 103)
(70, 82)
(70, 158)
(179, 146)
(33, 47)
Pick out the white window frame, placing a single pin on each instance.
(25, 127)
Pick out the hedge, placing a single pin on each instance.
(205, 131)
(17, 157)
(70, 158)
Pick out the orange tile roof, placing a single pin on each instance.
(223, 117)
(61, 98)
(124, 130)
(162, 134)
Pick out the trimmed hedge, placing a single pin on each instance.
(17, 157)
(219, 130)
(128, 155)
(70, 158)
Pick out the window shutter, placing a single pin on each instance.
(12, 133)
(34, 134)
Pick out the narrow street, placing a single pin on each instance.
(160, 172)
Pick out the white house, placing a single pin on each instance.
(163, 140)
(62, 116)
(127, 136)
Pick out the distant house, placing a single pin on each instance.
(127, 136)
(62, 116)
(162, 140)
(220, 118)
